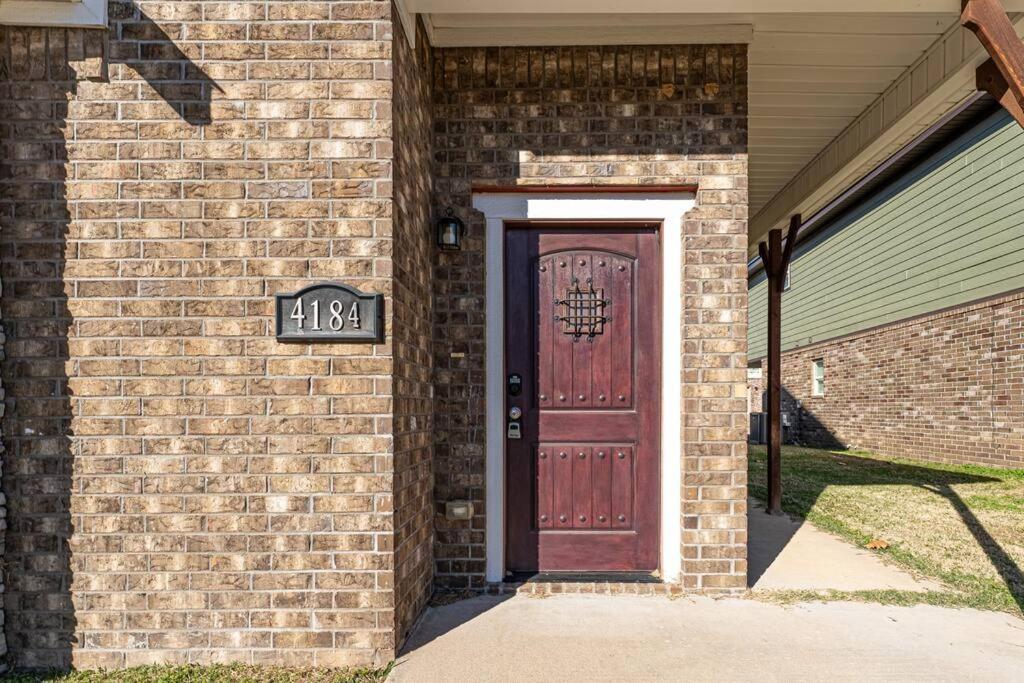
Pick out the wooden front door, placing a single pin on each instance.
(582, 321)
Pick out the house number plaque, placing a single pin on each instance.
(330, 312)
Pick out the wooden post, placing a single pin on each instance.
(1002, 76)
(774, 382)
(776, 265)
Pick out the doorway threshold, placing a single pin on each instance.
(582, 577)
(600, 583)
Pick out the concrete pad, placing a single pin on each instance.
(788, 554)
(633, 638)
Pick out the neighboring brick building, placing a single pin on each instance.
(182, 486)
(911, 304)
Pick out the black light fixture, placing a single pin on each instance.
(450, 230)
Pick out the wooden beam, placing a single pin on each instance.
(776, 259)
(774, 376)
(1002, 76)
(990, 80)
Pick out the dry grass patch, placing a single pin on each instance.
(962, 525)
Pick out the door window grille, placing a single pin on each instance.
(582, 311)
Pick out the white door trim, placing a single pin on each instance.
(664, 208)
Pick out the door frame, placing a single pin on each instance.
(662, 208)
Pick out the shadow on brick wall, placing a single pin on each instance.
(52, 444)
(805, 429)
(143, 50)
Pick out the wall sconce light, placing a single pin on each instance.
(450, 230)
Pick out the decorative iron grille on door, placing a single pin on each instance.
(583, 311)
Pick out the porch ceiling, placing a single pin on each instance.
(811, 75)
(697, 6)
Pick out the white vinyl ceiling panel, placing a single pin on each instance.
(810, 76)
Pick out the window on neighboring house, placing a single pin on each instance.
(56, 13)
(786, 283)
(818, 377)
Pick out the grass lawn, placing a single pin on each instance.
(961, 525)
(215, 673)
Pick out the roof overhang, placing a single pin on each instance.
(941, 80)
(834, 88)
(696, 6)
(566, 29)
(54, 13)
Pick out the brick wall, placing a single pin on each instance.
(184, 488)
(943, 387)
(412, 330)
(181, 486)
(626, 115)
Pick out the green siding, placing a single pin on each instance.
(949, 232)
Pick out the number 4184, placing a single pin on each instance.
(336, 316)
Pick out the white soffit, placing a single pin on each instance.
(698, 6)
(54, 13)
(941, 79)
(811, 76)
(407, 20)
(500, 30)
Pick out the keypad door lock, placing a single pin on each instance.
(515, 384)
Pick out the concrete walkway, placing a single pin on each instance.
(631, 638)
(787, 554)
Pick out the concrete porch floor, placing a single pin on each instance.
(634, 638)
(789, 554)
(621, 637)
